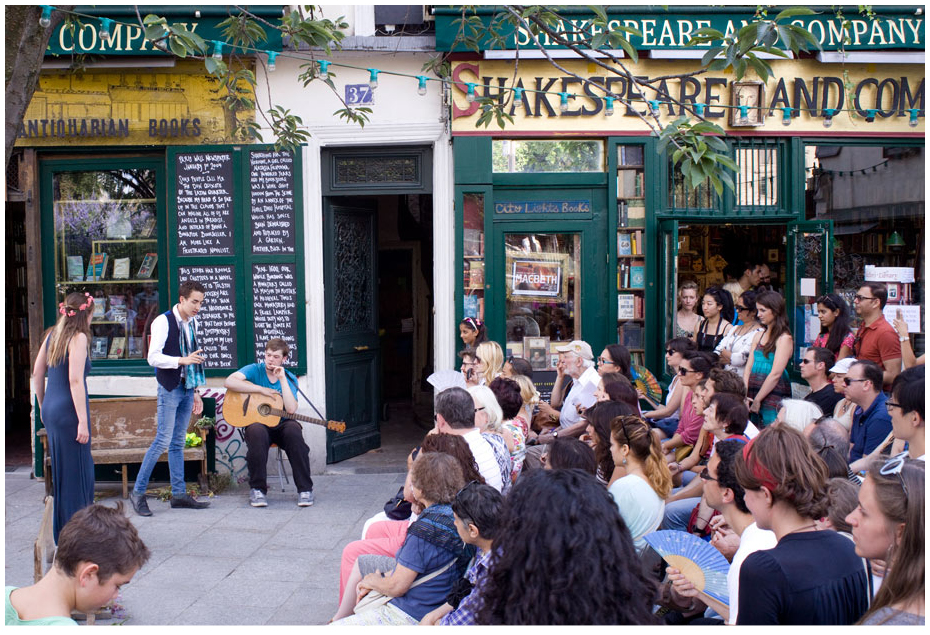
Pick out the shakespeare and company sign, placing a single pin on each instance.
(805, 86)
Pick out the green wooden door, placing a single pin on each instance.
(810, 274)
(668, 286)
(350, 262)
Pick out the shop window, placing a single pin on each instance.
(105, 244)
(631, 263)
(547, 155)
(473, 250)
(757, 178)
(682, 196)
(875, 197)
(543, 305)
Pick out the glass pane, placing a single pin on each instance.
(473, 250)
(757, 184)
(543, 293)
(106, 245)
(547, 155)
(809, 282)
(684, 197)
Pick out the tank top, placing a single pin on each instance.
(707, 342)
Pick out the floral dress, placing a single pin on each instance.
(518, 430)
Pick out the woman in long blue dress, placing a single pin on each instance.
(64, 406)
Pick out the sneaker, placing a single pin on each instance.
(188, 502)
(305, 499)
(140, 505)
(257, 498)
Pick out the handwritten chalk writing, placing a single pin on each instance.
(217, 316)
(271, 177)
(205, 204)
(274, 297)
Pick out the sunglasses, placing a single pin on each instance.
(741, 308)
(669, 351)
(705, 475)
(465, 515)
(477, 410)
(895, 465)
(807, 361)
(849, 382)
(684, 371)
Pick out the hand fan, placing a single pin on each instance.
(698, 561)
(442, 379)
(647, 383)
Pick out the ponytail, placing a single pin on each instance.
(645, 447)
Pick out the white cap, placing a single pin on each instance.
(579, 348)
(843, 365)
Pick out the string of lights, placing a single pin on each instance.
(471, 88)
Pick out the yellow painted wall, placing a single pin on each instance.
(68, 103)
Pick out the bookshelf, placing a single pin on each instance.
(18, 361)
(631, 257)
(473, 283)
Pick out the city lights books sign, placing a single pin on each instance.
(535, 278)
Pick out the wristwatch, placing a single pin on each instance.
(903, 338)
(555, 434)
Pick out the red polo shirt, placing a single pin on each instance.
(877, 342)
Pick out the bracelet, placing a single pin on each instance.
(904, 338)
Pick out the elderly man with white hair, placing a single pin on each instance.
(578, 361)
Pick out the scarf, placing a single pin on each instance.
(437, 527)
(193, 373)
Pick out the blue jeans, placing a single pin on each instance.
(174, 415)
(678, 513)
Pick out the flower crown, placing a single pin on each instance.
(68, 311)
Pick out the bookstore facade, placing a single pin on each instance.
(576, 226)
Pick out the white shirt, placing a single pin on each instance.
(752, 539)
(159, 335)
(484, 458)
(582, 393)
(751, 430)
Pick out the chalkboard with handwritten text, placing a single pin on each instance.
(204, 193)
(217, 317)
(274, 296)
(271, 180)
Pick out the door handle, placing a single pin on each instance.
(361, 348)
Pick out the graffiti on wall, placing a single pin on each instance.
(230, 446)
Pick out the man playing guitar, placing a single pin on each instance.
(266, 379)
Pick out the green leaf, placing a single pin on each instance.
(708, 32)
(632, 52)
(794, 11)
(599, 11)
(598, 40)
(710, 54)
(727, 162)
(177, 47)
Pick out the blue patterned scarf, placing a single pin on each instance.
(436, 526)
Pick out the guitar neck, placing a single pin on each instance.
(295, 416)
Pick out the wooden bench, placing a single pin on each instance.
(121, 431)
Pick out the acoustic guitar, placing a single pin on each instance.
(242, 409)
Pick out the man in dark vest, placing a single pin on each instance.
(178, 360)
(269, 378)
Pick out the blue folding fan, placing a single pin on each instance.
(698, 561)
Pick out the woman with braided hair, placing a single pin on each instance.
(64, 407)
(580, 566)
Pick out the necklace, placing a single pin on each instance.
(804, 528)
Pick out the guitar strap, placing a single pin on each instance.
(301, 392)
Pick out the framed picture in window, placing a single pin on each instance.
(536, 352)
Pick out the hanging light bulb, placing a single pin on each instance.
(744, 112)
(373, 78)
(517, 94)
(870, 115)
(470, 95)
(699, 109)
(45, 20)
(105, 25)
(272, 56)
(654, 107)
(324, 70)
(421, 87)
(912, 122)
(786, 116)
(217, 50)
(828, 117)
(609, 107)
(563, 102)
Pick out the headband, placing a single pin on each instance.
(759, 471)
(475, 323)
(69, 312)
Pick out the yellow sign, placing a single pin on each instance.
(810, 92)
(145, 106)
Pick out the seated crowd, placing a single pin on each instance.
(517, 511)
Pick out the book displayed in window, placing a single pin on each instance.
(100, 308)
(75, 268)
(148, 266)
(121, 269)
(475, 274)
(117, 348)
(135, 347)
(98, 348)
(97, 267)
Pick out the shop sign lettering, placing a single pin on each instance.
(543, 207)
(75, 128)
(889, 96)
